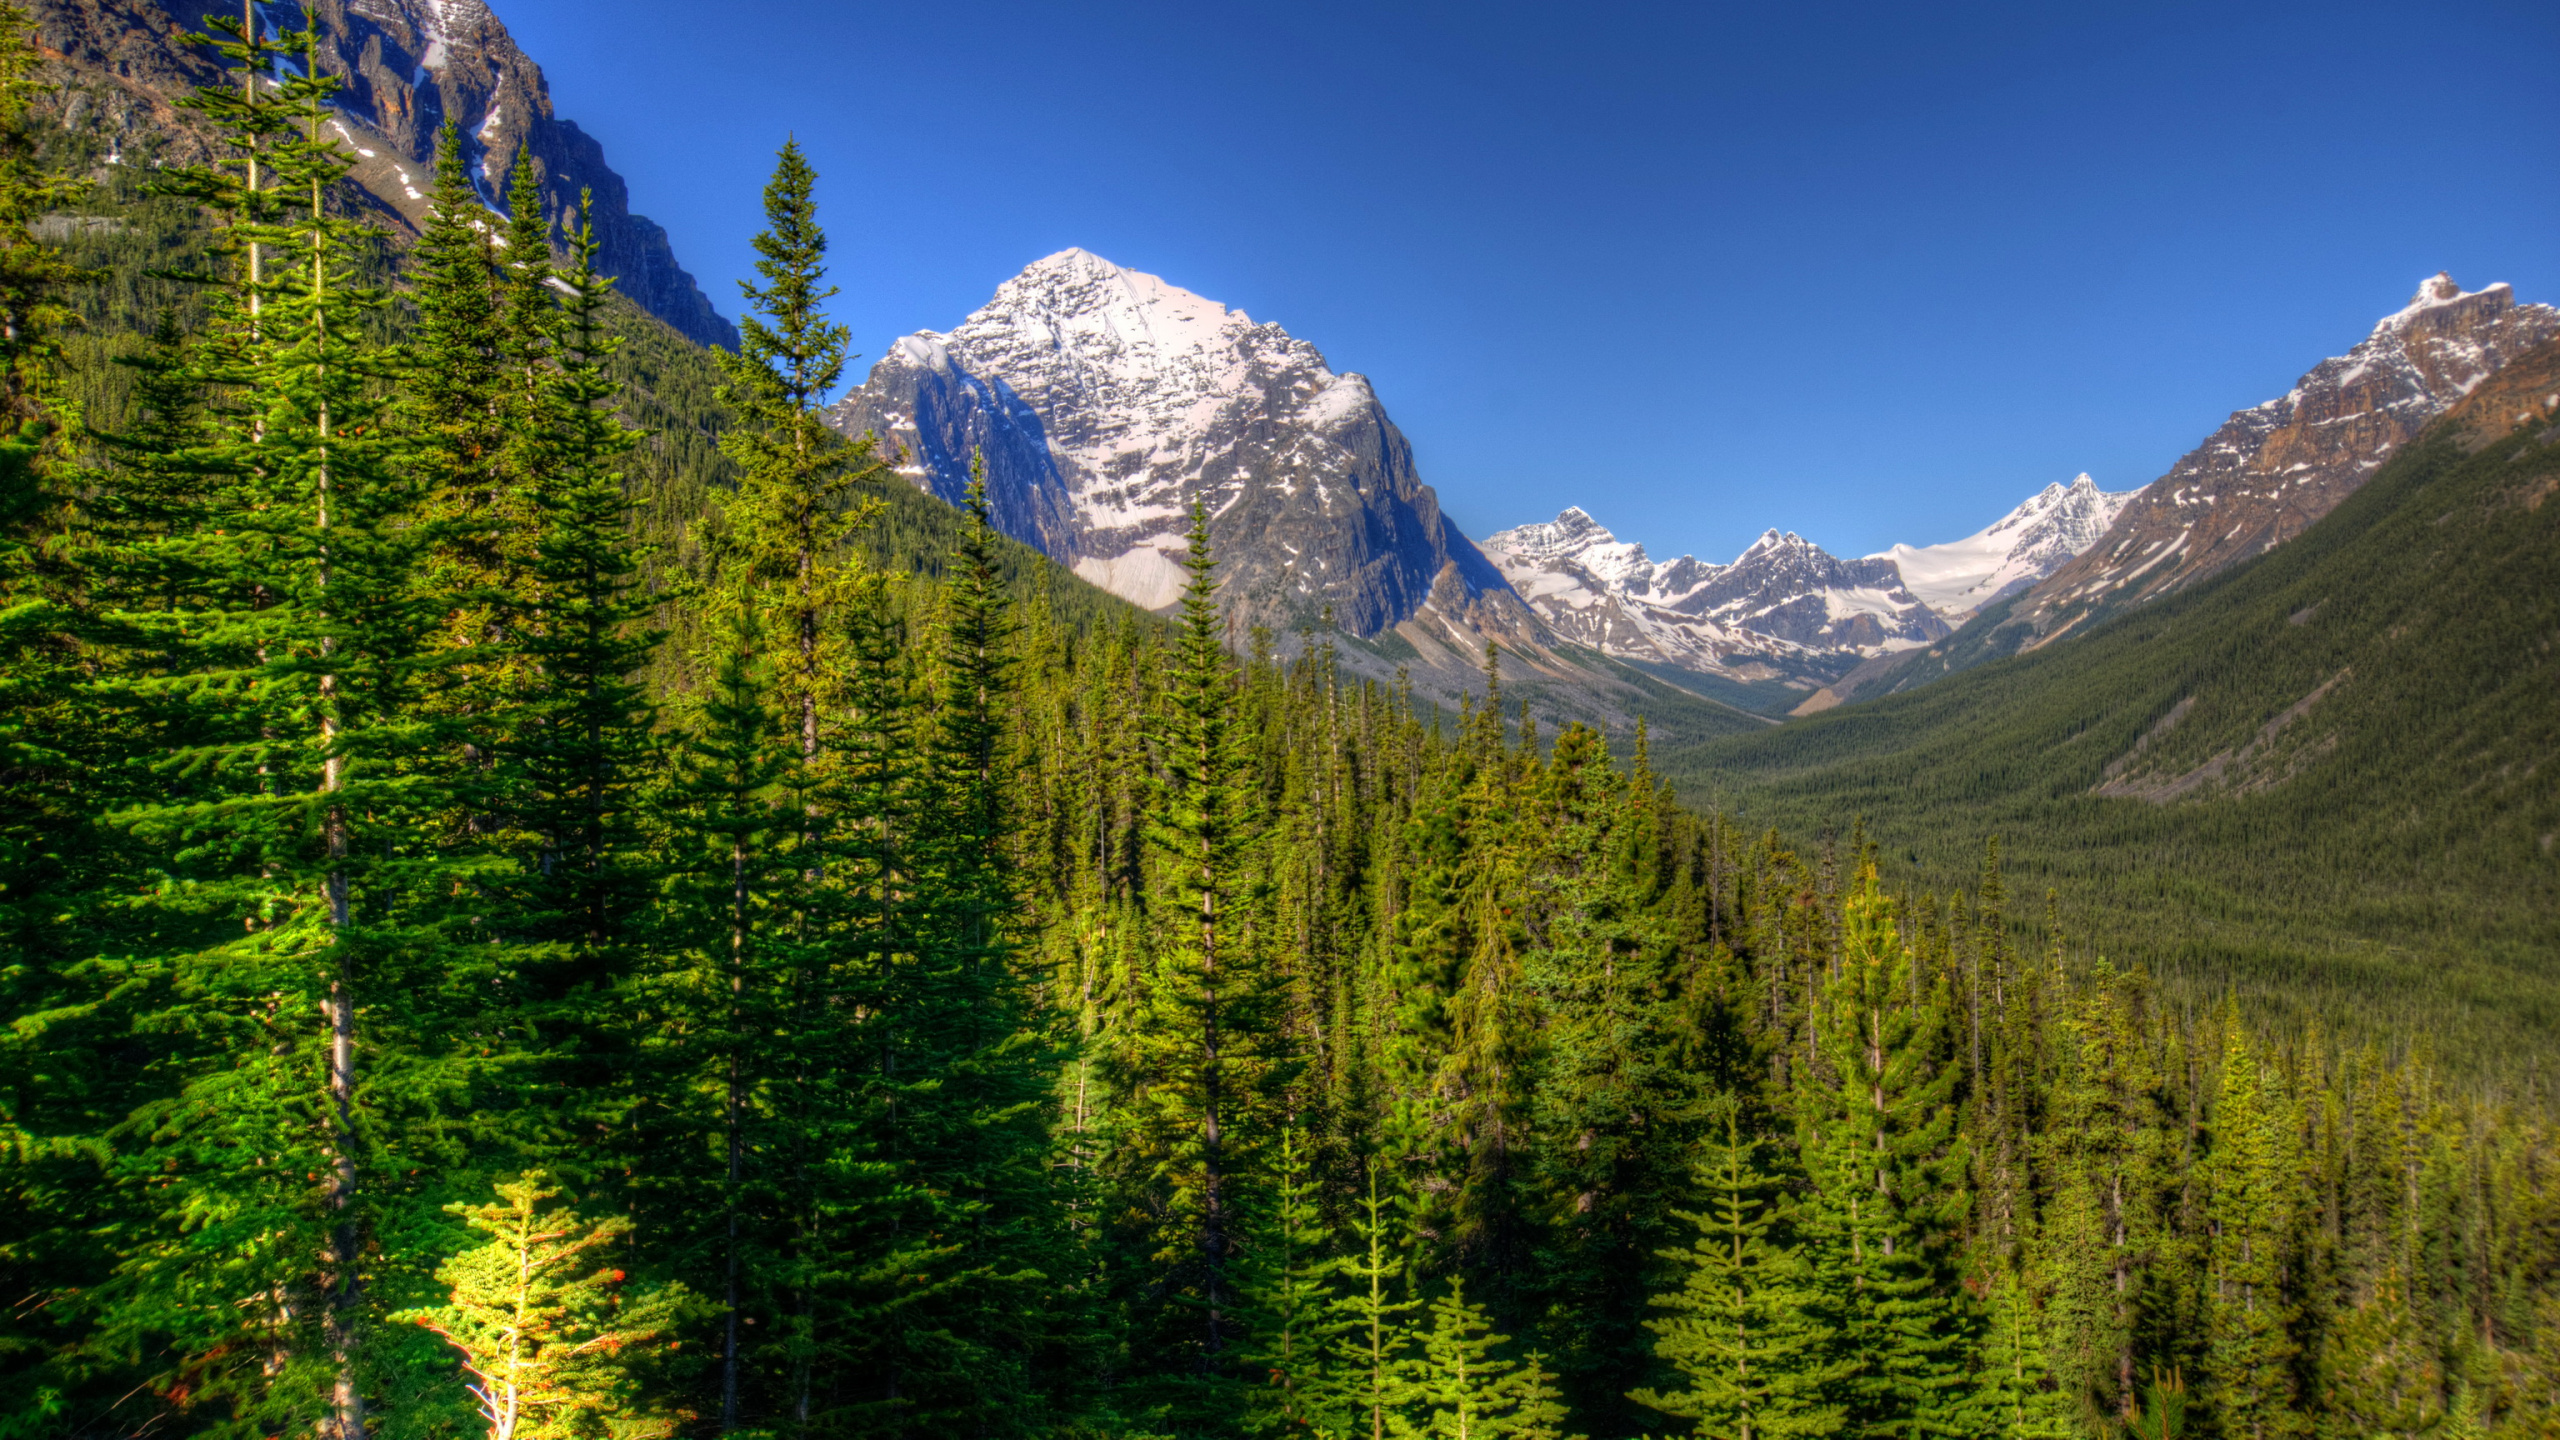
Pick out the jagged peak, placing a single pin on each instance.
(2434, 293)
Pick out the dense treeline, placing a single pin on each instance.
(475, 970)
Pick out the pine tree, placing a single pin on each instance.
(1204, 1070)
(2018, 1398)
(1369, 1380)
(543, 1326)
(2380, 1373)
(579, 742)
(1462, 1389)
(1746, 1331)
(1287, 1280)
(2249, 1349)
(787, 522)
(1878, 1126)
(301, 806)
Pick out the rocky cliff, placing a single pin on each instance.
(116, 66)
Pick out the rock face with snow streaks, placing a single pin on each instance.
(406, 66)
(1784, 608)
(1106, 402)
(2274, 468)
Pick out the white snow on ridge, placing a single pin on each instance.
(2013, 552)
(1145, 576)
(1135, 380)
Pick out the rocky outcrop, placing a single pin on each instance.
(117, 66)
(1106, 403)
(2274, 468)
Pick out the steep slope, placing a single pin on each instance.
(2274, 468)
(116, 66)
(2330, 776)
(1107, 402)
(2011, 553)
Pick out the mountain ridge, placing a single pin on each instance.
(117, 67)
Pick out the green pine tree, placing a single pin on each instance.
(1746, 1330)
(2249, 1347)
(1461, 1388)
(1368, 1384)
(1878, 1126)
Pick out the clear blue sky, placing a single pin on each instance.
(1867, 272)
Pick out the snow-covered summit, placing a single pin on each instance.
(2276, 467)
(2011, 553)
(1109, 401)
(1573, 539)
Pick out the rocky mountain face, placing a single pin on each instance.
(1107, 403)
(2012, 553)
(116, 66)
(2274, 468)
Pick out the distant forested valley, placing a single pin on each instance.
(547, 893)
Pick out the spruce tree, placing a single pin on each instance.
(1877, 1130)
(1461, 1387)
(1287, 1280)
(544, 1328)
(1746, 1330)
(1370, 1373)
(2017, 1396)
(302, 806)
(2249, 1347)
(1203, 1064)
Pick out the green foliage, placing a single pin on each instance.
(551, 1345)
(449, 745)
(1746, 1331)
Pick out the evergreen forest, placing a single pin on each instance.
(546, 893)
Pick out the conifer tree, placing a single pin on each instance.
(580, 735)
(1370, 1379)
(1203, 1063)
(543, 1326)
(2018, 1398)
(790, 515)
(1287, 1279)
(301, 807)
(2249, 1349)
(1877, 1126)
(1746, 1331)
(1461, 1388)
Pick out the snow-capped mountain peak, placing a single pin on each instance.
(1108, 401)
(2011, 553)
(1573, 539)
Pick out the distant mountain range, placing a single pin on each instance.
(1106, 402)
(116, 67)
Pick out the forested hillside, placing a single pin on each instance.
(2329, 778)
(499, 943)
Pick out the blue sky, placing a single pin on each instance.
(1867, 272)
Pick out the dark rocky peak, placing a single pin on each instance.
(406, 66)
